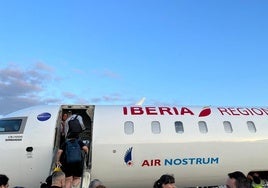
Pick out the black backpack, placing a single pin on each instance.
(74, 125)
(73, 152)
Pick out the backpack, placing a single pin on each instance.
(73, 151)
(74, 125)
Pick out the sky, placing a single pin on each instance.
(115, 52)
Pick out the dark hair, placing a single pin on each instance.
(256, 179)
(236, 175)
(164, 179)
(3, 179)
(49, 180)
(241, 179)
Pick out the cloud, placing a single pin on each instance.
(69, 95)
(79, 71)
(43, 67)
(74, 98)
(106, 73)
(115, 99)
(108, 98)
(110, 74)
(20, 88)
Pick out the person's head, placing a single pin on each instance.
(3, 181)
(95, 183)
(237, 180)
(58, 178)
(165, 181)
(64, 116)
(256, 181)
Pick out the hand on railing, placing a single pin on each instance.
(58, 164)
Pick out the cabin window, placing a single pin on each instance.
(155, 126)
(202, 127)
(179, 127)
(227, 127)
(12, 126)
(251, 127)
(129, 127)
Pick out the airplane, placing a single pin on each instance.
(132, 146)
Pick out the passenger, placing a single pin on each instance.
(256, 181)
(4, 181)
(48, 182)
(250, 177)
(58, 179)
(76, 129)
(73, 171)
(237, 180)
(165, 181)
(94, 183)
(62, 128)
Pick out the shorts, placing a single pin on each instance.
(73, 169)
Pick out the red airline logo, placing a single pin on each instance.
(137, 110)
(206, 111)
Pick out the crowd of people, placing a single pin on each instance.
(235, 179)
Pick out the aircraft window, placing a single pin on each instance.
(251, 127)
(11, 126)
(155, 125)
(227, 127)
(202, 127)
(179, 127)
(129, 127)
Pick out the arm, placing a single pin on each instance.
(80, 119)
(66, 128)
(60, 151)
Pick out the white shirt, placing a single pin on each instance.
(80, 119)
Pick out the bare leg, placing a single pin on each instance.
(76, 181)
(68, 182)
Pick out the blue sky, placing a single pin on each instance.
(172, 52)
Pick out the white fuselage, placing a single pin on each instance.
(132, 146)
